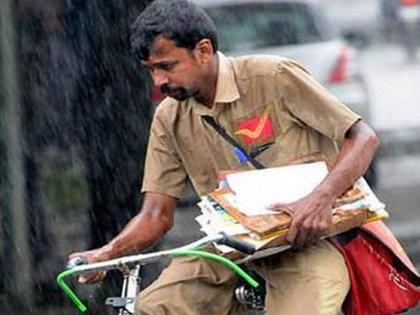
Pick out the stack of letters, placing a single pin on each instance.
(240, 206)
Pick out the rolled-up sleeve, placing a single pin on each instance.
(164, 172)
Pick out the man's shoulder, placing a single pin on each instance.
(261, 65)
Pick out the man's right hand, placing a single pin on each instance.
(154, 220)
(91, 256)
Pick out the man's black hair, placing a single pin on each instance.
(181, 21)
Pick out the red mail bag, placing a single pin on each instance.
(383, 279)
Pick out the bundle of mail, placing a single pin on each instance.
(241, 205)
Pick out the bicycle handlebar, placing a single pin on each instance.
(127, 261)
(70, 293)
(239, 245)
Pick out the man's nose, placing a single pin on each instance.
(159, 78)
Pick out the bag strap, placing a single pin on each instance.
(232, 141)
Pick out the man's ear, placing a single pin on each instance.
(204, 50)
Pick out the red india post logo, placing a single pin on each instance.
(256, 129)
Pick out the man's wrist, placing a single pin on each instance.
(325, 193)
(106, 252)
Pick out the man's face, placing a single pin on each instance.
(176, 71)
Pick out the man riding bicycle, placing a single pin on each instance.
(273, 107)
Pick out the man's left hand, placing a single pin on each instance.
(311, 217)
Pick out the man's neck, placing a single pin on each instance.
(208, 92)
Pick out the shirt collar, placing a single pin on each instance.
(226, 88)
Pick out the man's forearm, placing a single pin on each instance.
(139, 234)
(355, 156)
(144, 230)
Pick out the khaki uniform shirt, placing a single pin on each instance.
(264, 102)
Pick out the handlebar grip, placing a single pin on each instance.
(76, 261)
(239, 245)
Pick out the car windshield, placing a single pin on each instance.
(252, 26)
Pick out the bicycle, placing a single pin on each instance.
(249, 291)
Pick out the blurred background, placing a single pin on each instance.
(75, 111)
